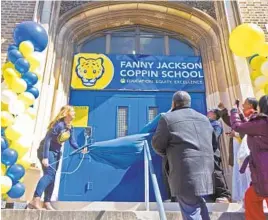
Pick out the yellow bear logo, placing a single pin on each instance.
(90, 70)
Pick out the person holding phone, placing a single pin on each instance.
(256, 129)
(59, 131)
(249, 107)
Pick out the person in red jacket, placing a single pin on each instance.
(256, 129)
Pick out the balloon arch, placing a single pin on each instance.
(20, 77)
(248, 40)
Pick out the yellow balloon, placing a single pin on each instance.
(20, 149)
(27, 98)
(31, 112)
(26, 48)
(3, 169)
(263, 51)
(22, 145)
(246, 39)
(4, 107)
(18, 85)
(24, 162)
(7, 65)
(6, 184)
(254, 75)
(256, 62)
(7, 119)
(12, 133)
(9, 74)
(260, 94)
(34, 62)
(4, 197)
(266, 89)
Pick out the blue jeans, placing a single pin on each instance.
(193, 208)
(46, 183)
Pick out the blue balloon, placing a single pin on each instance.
(15, 172)
(31, 31)
(22, 65)
(14, 55)
(16, 191)
(2, 131)
(4, 144)
(34, 91)
(12, 47)
(9, 157)
(30, 78)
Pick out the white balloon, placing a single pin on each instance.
(25, 125)
(4, 86)
(264, 68)
(31, 112)
(25, 140)
(5, 180)
(8, 96)
(16, 107)
(261, 81)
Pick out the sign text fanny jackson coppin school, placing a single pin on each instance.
(157, 73)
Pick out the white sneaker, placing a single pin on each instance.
(222, 200)
(167, 201)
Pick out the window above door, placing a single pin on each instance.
(136, 40)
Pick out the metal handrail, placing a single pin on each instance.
(148, 161)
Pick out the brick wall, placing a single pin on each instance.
(13, 12)
(255, 11)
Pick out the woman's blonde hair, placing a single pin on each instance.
(64, 111)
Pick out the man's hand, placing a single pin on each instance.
(45, 162)
(84, 151)
(232, 134)
(221, 106)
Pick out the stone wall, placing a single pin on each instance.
(205, 6)
(255, 11)
(13, 13)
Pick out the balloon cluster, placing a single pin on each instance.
(248, 40)
(19, 92)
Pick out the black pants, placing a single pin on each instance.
(165, 169)
(221, 188)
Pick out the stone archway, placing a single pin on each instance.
(195, 26)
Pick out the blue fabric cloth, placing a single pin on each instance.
(218, 130)
(151, 126)
(52, 139)
(46, 183)
(119, 153)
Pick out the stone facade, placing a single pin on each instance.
(13, 13)
(205, 6)
(255, 11)
(77, 20)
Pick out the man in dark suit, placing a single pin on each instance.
(184, 136)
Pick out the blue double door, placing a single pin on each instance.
(113, 115)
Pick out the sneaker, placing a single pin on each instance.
(222, 200)
(167, 201)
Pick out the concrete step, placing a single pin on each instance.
(105, 215)
(120, 211)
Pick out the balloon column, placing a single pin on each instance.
(248, 40)
(19, 92)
